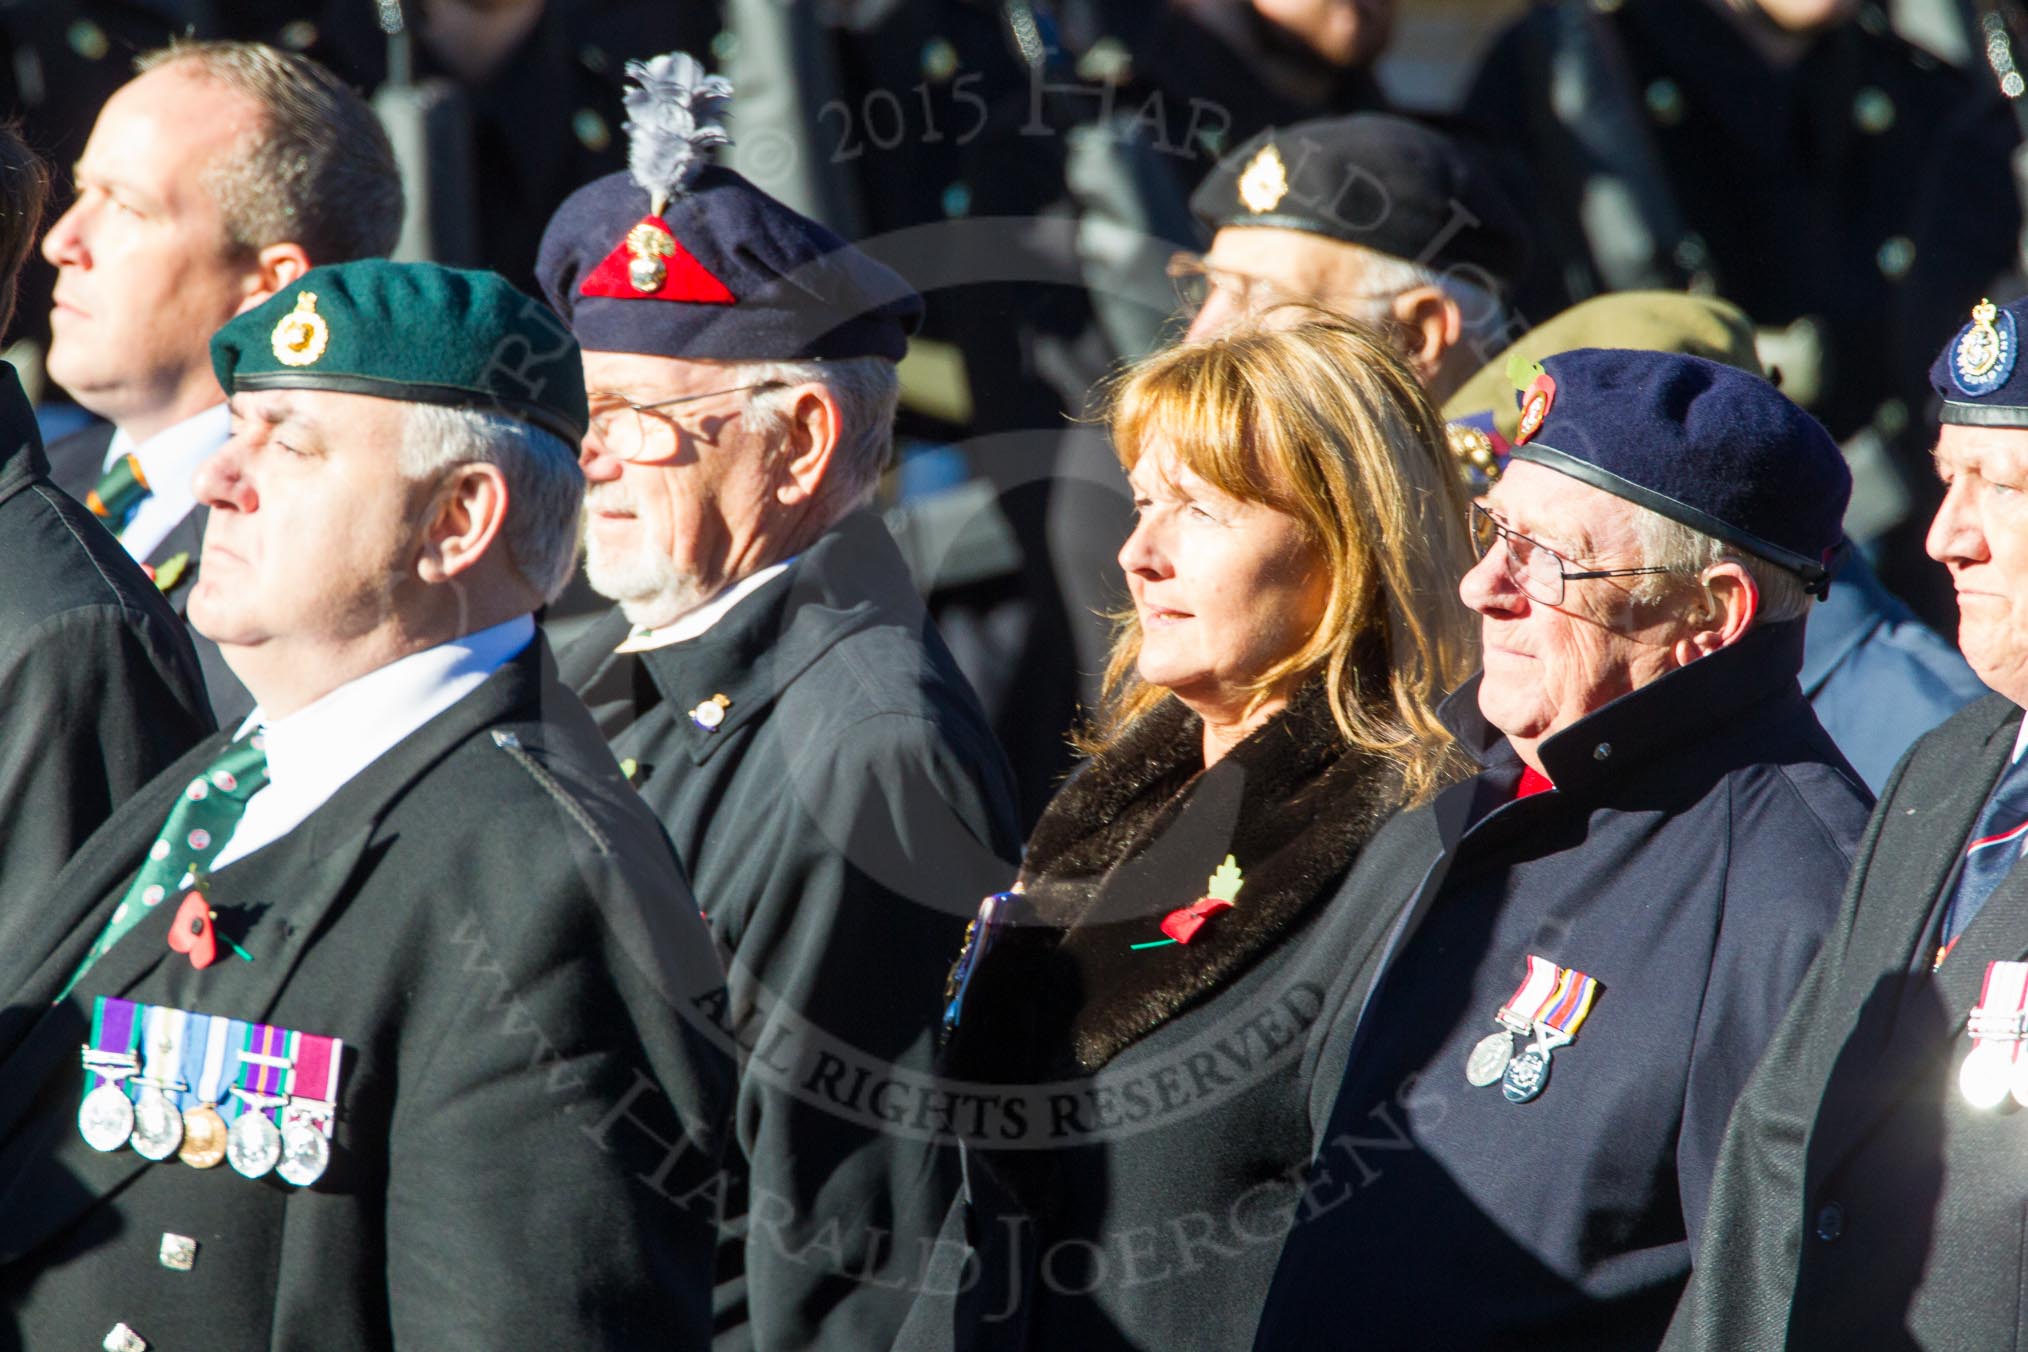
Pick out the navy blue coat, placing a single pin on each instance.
(1690, 858)
(1876, 676)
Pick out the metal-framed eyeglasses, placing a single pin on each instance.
(1538, 570)
(645, 433)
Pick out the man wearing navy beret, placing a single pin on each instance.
(1375, 215)
(368, 1023)
(1599, 930)
(777, 693)
(1872, 1187)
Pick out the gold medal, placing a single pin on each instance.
(203, 1137)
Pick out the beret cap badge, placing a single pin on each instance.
(1264, 181)
(1983, 357)
(649, 244)
(301, 335)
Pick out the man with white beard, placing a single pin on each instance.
(774, 689)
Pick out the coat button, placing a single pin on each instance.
(1830, 1222)
(1601, 751)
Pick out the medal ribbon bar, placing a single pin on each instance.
(2001, 1016)
(1531, 995)
(116, 1031)
(313, 1081)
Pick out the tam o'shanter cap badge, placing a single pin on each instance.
(1985, 351)
(301, 335)
(672, 121)
(1264, 181)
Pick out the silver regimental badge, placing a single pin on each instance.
(1488, 1061)
(253, 1146)
(106, 1118)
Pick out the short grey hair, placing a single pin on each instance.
(545, 487)
(1481, 308)
(319, 171)
(1667, 543)
(867, 389)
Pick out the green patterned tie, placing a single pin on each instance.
(198, 827)
(119, 494)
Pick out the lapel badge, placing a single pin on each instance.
(1264, 181)
(178, 1252)
(1983, 356)
(711, 713)
(302, 335)
(1183, 924)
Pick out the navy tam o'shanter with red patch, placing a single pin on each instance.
(679, 257)
(1713, 447)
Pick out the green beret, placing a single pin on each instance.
(1649, 321)
(417, 332)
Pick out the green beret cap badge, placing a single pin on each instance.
(1265, 181)
(302, 335)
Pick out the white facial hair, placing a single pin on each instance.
(651, 589)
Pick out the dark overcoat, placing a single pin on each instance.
(76, 463)
(1860, 1201)
(1137, 1112)
(1690, 859)
(495, 927)
(98, 687)
(840, 825)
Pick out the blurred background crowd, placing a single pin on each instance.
(1843, 171)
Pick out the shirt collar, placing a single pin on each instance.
(695, 623)
(314, 751)
(2020, 742)
(171, 456)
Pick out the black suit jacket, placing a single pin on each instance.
(98, 687)
(496, 927)
(840, 826)
(1860, 1201)
(75, 463)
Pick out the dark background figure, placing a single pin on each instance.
(1869, 1193)
(99, 688)
(1847, 189)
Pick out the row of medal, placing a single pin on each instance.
(1549, 1006)
(1995, 1070)
(206, 1089)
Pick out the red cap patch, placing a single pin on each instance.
(650, 264)
(1535, 407)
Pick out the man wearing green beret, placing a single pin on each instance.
(380, 997)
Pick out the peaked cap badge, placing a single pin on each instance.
(1264, 182)
(1983, 357)
(302, 335)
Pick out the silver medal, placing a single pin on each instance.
(1488, 1061)
(253, 1145)
(305, 1154)
(158, 1126)
(1526, 1074)
(106, 1117)
(1983, 1078)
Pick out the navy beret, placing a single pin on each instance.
(1979, 375)
(1375, 180)
(1711, 446)
(679, 257)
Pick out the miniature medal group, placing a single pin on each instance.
(206, 1089)
(1548, 1008)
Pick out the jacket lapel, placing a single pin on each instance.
(280, 894)
(1906, 1010)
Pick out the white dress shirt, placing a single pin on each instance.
(168, 460)
(320, 748)
(694, 623)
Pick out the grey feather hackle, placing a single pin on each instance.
(673, 120)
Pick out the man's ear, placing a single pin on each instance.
(1722, 615)
(815, 424)
(274, 268)
(1434, 326)
(466, 515)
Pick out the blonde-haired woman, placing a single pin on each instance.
(1133, 1028)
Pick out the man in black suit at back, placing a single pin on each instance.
(221, 173)
(1873, 1179)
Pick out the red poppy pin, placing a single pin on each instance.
(191, 931)
(1182, 924)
